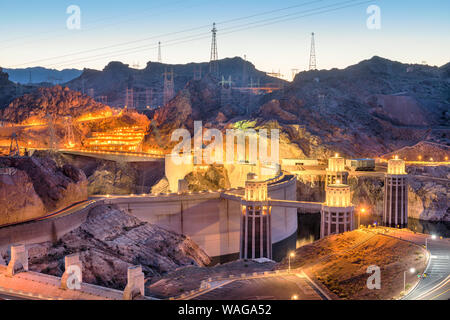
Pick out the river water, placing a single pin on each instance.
(309, 227)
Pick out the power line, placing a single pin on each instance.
(166, 34)
(140, 12)
(243, 27)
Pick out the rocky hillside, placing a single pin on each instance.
(368, 109)
(116, 77)
(10, 90)
(56, 101)
(109, 177)
(110, 241)
(422, 151)
(340, 262)
(31, 187)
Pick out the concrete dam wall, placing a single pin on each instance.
(212, 221)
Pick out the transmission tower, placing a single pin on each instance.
(51, 130)
(214, 63)
(225, 91)
(149, 97)
(169, 87)
(159, 52)
(198, 72)
(129, 98)
(244, 72)
(312, 58)
(69, 137)
(14, 150)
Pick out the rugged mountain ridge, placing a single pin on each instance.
(116, 77)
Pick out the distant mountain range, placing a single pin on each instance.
(39, 75)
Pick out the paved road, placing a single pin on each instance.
(60, 213)
(9, 296)
(436, 285)
(282, 287)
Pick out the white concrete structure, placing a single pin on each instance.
(19, 260)
(256, 235)
(213, 219)
(135, 285)
(396, 194)
(337, 211)
(177, 171)
(336, 171)
(73, 274)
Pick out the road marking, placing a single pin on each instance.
(440, 294)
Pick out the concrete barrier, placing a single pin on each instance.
(50, 229)
(72, 277)
(19, 260)
(135, 286)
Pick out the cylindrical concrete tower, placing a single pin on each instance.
(256, 236)
(336, 171)
(396, 194)
(337, 211)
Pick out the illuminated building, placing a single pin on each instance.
(119, 139)
(396, 194)
(336, 170)
(337, 211)
(256, 239)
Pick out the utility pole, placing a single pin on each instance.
(214, 61)
(312, 58)
(159, 52)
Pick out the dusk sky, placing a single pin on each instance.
(35, 33)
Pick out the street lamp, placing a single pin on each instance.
(291, 255)
(411, 270)
(363, 210)
(433, 237)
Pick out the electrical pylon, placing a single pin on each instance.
(14, 150)
(69, 137)
(52, 144)
(213, 62)
(312, 58)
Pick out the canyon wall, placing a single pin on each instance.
(31, 187)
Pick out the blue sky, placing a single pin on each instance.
(35, 32)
